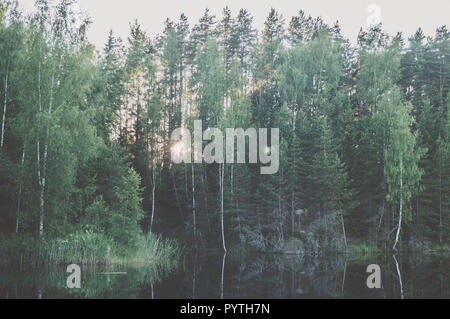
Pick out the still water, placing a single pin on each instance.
(212, 276)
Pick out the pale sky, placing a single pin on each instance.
(396, 15)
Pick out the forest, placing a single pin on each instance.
(85, 156)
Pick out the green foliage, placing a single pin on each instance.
(402, 173)
(85, 160)
(127, 211)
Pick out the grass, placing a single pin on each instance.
(156, 249)
(79, 248)
(86, 248)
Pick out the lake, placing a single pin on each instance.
(259, 276)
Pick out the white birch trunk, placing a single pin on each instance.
(153, 196)
(292, 185)
(401, 203)
(222, 177)
(5, 102)
(440, 205)
(223, 274)
(231, 178)
(399, 277)
(343, 231)
(38, 153)
(43, 175)
(193, 205)
(280, 213)
(20, 191)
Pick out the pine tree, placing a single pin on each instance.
(112, 88)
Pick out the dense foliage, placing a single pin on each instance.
(85, 140)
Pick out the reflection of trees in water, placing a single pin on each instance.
(96, 282)
(254, 276)
(426, 276)
(324, 277)
(277, 276)
(399, 276)
(336, 276)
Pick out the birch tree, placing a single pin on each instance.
(401, 171)
(11, 38)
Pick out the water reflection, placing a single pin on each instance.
(399, 276)
(256, 276)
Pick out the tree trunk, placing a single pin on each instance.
(186, 192)
(440, 204)
(180, 108)
(293, 170)
(193, 205)
(231, 179)
(38, 146)
(292, 211)
(343, 278)
(43, 176)
(20, 191)
(223, 273)
(401, 203)
(343, 231)
(41, 210)
(222, 176)
(153, 196)
(399, 277)
(280, 213)
(5, 102)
